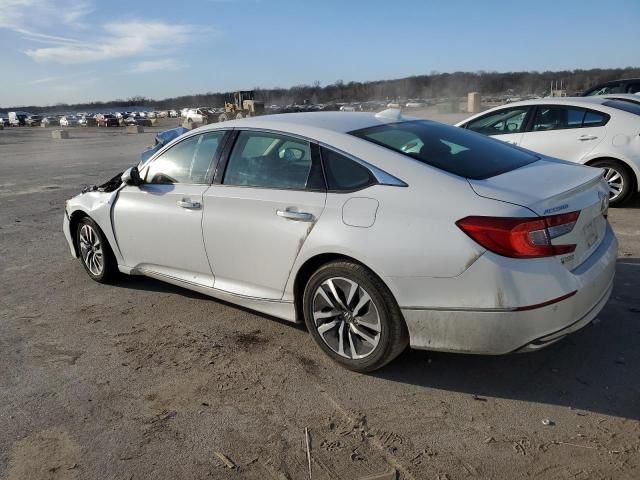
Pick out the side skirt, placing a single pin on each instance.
(276, 308)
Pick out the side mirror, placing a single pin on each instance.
(131, 177)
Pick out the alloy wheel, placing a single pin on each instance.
(616, 182)
(91, 250)
(346, 318)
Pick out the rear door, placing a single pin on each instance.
(565, 132)
(506, 124)
(262, 206)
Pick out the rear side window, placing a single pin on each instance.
(452, 149)
(626, 105)
(344, 174)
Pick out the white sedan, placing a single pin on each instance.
(377, 231)
(597, 131)
(69, 121)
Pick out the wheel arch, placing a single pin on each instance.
(310, 265)
(634, 172)
(74, 220)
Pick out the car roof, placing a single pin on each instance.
(311, 123)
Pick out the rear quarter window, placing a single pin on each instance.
(454, 150)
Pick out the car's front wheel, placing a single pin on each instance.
(619, 178)
(95, 253)
(353, 317)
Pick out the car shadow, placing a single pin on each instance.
(139, 282)
(632, 202)
(595, 369)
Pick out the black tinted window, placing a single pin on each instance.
(344, 174)
(626, 105)
(452, 149)
(556, 118)
(594, 119)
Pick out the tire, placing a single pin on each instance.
(620, 179)
(357, 319)
(98, 260)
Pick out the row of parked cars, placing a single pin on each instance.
(19, 119)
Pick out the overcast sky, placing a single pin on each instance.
(81, 50)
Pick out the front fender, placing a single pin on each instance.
(98, 206)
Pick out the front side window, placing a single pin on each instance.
(451, 149)
(509, 120)
(270, 160)
(189, 161)
(344, 174)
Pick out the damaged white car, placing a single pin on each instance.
(377, 231)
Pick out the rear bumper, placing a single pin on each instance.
(500, 331)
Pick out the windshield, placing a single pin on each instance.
(451, 149)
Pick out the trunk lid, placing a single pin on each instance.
(551, 187)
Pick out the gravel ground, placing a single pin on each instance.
(145, 380)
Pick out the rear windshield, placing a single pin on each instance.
(626, 105)
(454, 150)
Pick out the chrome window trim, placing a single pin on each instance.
(382, 177)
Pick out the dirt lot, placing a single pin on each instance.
(145, 380)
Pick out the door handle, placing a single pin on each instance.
(188, 204)
(584, 138)
(295, 216)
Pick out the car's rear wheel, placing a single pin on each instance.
(353, 317)
(619, 178)
(95, 253)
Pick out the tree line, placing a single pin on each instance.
(435, 85)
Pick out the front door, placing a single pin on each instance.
(258, 217)
(158, 226)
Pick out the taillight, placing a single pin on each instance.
(521, 237)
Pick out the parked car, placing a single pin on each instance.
(375, 230)
(628, 85)
(48, 121)
(173, 114)
(33, 120)
(107, 120)
(87, 121)
(137, 120)
(18, 119)
(596, 131)
(69, 121)
(4, 121)
(197, 115)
